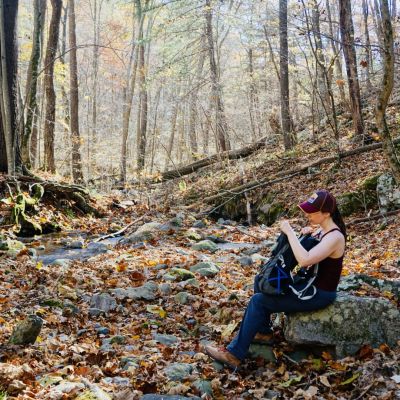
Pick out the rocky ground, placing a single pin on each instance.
(129, 323)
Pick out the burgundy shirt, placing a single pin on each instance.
(329, 271)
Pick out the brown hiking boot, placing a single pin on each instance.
(222, 355)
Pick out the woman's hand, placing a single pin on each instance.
(306, 230)
(285, 226)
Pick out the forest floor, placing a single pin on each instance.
(153, 344)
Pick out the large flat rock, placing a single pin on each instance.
(347, 324)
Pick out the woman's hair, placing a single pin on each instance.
(338, 220)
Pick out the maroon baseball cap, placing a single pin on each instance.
(321, 200)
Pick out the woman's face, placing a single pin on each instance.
(317, 218)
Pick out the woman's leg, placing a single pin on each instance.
(255, 319)
(260, 309)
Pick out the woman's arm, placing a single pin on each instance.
(316, 254)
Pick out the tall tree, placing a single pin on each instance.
(368, 54)
(74, 96)
(319, 55)
(128, 94)
(335, 51)
(221, 123)
(96, 17)
(284, 75)
(32, 79)
(9, 160)
(347, 34)
(386, 90)
(141, 131)
(50, 114)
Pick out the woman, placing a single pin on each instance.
(320, 209)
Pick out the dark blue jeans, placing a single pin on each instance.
(257, 318)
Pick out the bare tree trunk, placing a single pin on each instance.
(65, 100)
(155, 130)
(141, 132)
(319, 54)
(338, 63)
(32, 80)
(284, 74)
(174, 116)
(347, 34)
(127, 106)
(387, 87)
(96, 15)
(367, 64)
(52, 41)
(221, 123)
(9, 157)
(74, 95)
(193, 112)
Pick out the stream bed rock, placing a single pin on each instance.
(26, 331)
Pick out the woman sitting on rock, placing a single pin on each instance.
(321, 210)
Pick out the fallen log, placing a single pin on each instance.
(283, 175)
(227, 155)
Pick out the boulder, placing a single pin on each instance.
(181, 273)
(167, 340)
(346, 325)
(388, 193)
(26, 331)
(103, 302)
(355, 281)
(146, 292)
(205, 269)
(178, 371)
(145, 232)
(205, 245)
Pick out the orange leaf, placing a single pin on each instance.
(121, 266)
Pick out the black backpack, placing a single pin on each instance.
(276, 276)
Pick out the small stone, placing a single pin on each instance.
(159, 267)
(193, 235)
(95, 312)
(32, 252)
(246, 261)
(199, 224)
(208, 269)
(26, 331)
(81, 332)
(103, 302)
(119, 339)
(190, 282)
(70, 309)
(182, 298)
(103, 330)
(181, 273)
(76, 244)
(128, 362)
(178, 371)
(263, 351)
(147, 292)
(167, 340)
(216, 239)
(165, 288)
(205, 245)
(41, 247)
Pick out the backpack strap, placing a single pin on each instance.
(334, 229)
